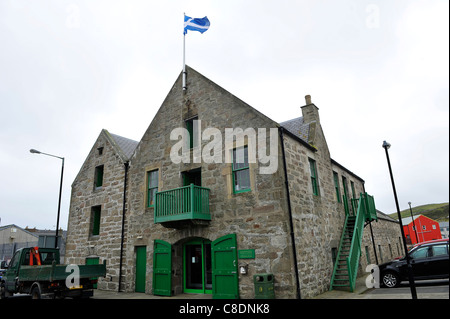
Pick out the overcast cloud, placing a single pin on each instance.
(377, 70)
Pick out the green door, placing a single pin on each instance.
(93, 261)
(162, 268)
(197, 271)
(141, 268)
(225, 282)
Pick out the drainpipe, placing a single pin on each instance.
(294, 250)
(123, 222)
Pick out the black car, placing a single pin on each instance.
(429, 260)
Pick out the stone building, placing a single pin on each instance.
(13, 237)
(214, 193)
(96, 206)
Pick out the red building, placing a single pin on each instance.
(426, 229)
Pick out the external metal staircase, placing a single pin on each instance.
(347, 259)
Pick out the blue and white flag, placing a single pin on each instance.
(196, 24)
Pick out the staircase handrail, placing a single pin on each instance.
(355, 248)
(339, 252)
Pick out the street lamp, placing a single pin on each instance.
(414, 224)
(60, 190)
(412, 285)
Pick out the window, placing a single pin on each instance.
(313, 169)
(352, 185)
(152, 187)
(98, 177)
(241, 170)
(344, 184)
(367, 254)
(15, 260)
(336, 186)
(334, 252)
(440, 250)
(100, 150)
(420, 253)
(193, 134)
(48, 257)
(424, 227)
(95, 220)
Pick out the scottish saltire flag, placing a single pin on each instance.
(196, 24)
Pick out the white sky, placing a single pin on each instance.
(377, 70)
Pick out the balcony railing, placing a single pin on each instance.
(184, 203)
(370, 212)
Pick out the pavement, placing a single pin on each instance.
(104, 294)
(361, 292)
(424, 290)
(360, 289)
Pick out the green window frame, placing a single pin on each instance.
(336, 186)
(241, 170)
(190, 128)
(344, 184)
(352, 185)
(96, 212)
(313, 170)
(152, 187)
(98, 178)
(367, 255)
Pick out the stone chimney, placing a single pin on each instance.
(308, 99)
(310, 111)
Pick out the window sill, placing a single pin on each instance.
(242, 191)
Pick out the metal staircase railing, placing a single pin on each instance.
(346, 266)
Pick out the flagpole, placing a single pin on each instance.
(184, 55)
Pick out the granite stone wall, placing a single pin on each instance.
(259, 217)
(81, 242)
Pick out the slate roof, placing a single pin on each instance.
(125, 144)
(297, 127)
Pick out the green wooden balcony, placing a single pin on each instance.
(182, 204)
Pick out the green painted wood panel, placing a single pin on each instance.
(141, 268)
(224, 268)
(162, 268)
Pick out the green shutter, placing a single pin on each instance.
(162, 268)
(225, 283)
(141, 268)
(93, 261)
(336, 186)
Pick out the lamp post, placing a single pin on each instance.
(60, 190)
(412, 285)
(414, 223)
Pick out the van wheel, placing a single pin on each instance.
(36, 293)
